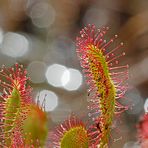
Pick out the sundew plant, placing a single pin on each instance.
(105, 77)
(23, 123)
(143, 131)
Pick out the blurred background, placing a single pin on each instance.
(41, 36)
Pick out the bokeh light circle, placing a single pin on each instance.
(47, 99)
(14, 45)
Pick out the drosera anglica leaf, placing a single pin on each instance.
(33, 131)
(72, 133)
(105, 77)
(15, 96)
(35, 127)
(143, 131)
